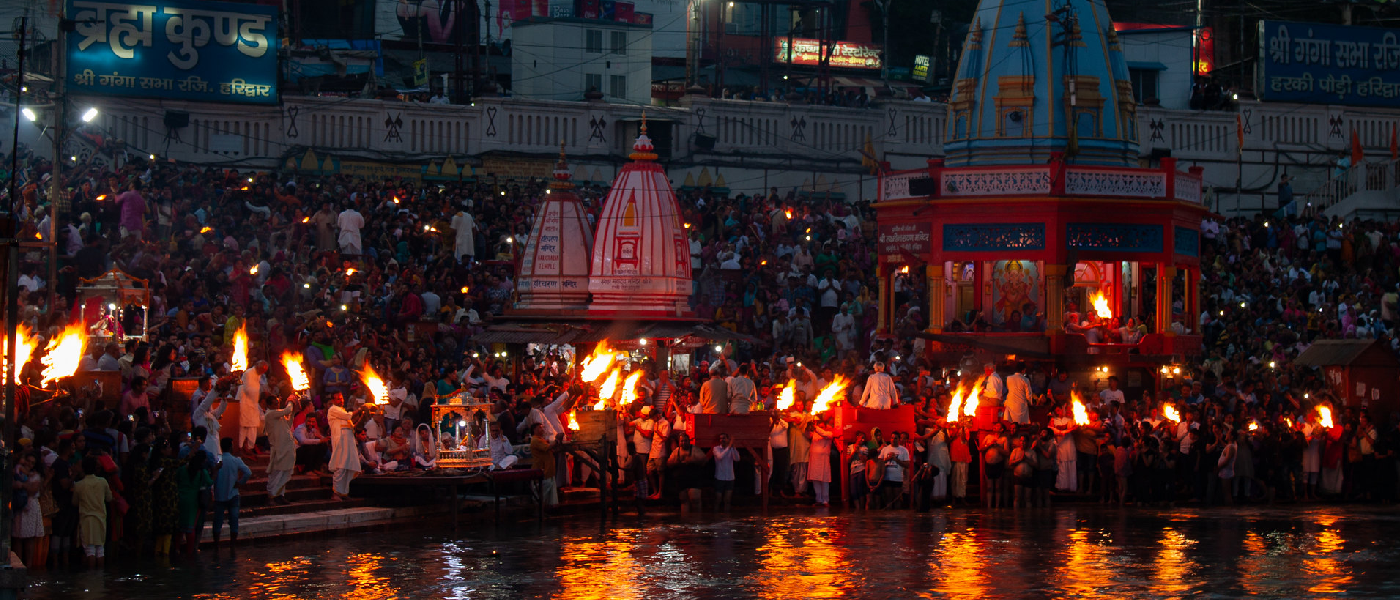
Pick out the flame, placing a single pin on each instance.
(970, 404)
(306, 219)
(253, 270)
(573, 422)
(38, 236)
(828, 394)
(1326, 414)
(1101, 306)
(102, 197)
(1253, 425)
(350, 271)
(377, 389)
(789, 214)
(629, 388)
(239, 362)
(1081, 414)
(1170, 413)
(24, 349)
(465, 289)
(1288, 422)
(594, 366)
(64, 354)
(955, 405)
(788, 396)
(292, 362)
(206, 229)
(607, 390)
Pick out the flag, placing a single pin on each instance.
(867, 156)
(1394, 144)
(1239, 132)
(1358, 155)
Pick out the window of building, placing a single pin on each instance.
(593, 41)
(619, 42)
(1144, 84)
(619, 86)
(593, 81)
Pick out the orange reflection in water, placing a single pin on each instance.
(801, 562)
(959, 567)
(1084, 568)
(365, 583)
(1172, 566)
(269, 581)
(1324, 567)
(591, 568)
(1257, 568)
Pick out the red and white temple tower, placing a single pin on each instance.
(641, 261)
(553, 275)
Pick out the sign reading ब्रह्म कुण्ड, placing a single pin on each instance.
(1328, 64)
(179, 49)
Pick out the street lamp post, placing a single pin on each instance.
(885, 63)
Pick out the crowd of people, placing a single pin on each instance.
(400, 275)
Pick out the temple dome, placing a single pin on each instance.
(553, 273)
(1025, 74)
(641, 261)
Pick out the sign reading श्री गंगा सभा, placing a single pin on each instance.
(1328, 64)
(178, 49)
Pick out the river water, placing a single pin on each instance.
(1088, 552)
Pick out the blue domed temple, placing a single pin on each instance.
(1042, 233)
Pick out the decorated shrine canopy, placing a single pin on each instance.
(117, 289)
(618, 334)
(1041, 212)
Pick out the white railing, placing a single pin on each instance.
(1376, 176)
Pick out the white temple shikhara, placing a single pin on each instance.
(553, 275)
(640, 267)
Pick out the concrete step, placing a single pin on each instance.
(258, 497)
(303, 506)
(259, 482)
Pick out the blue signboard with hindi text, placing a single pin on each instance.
(179, 49)
(1328, 64)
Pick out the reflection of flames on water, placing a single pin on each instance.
(1326, 568)
(599, 570)
(958, 566)
(1084, 561)
(801, 562)
(1173, 565)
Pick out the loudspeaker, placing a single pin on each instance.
(704, 142)
(176, 119)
